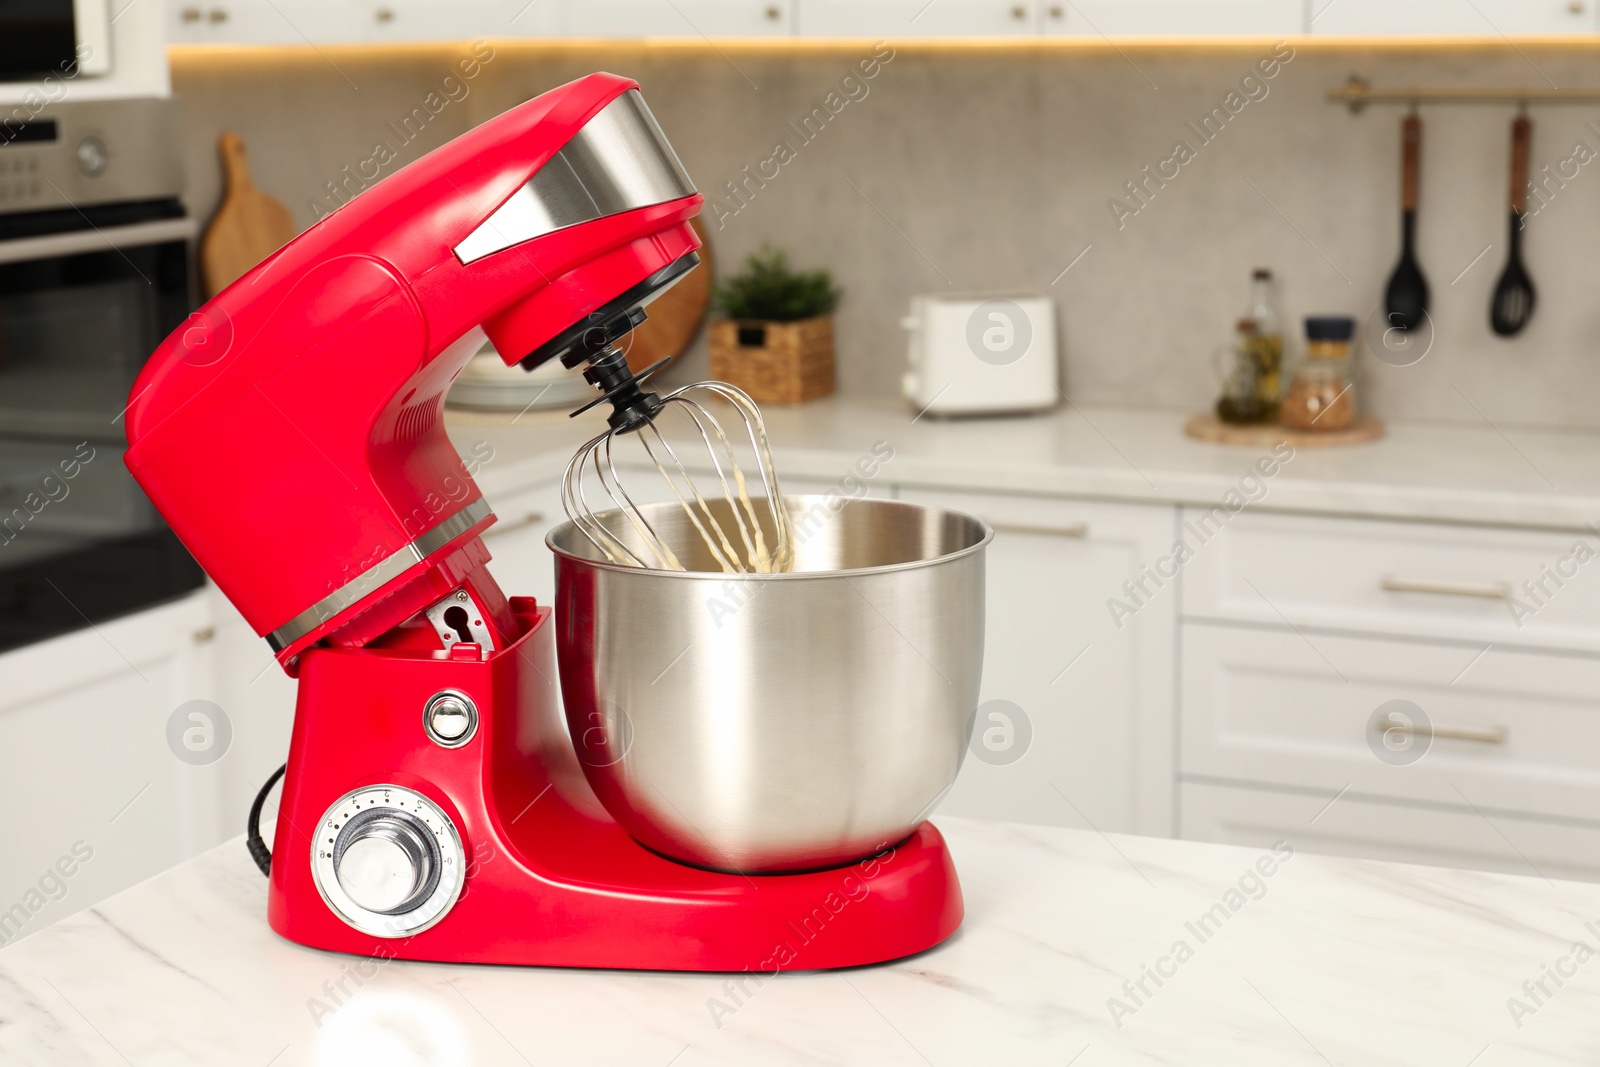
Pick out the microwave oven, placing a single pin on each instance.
(41, 38)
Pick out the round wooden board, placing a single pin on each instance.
(675, 317)
(1207, 427)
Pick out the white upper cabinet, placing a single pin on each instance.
(1190, 18)
(677, 18)
(339, 21)
(264, 21)
(457, 20)
(1465, 17)
(917, 18)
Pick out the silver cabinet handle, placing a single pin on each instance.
(1080, 529)
(190, 14)
(532, 518)
(1486, 590)
(1019, 12)
(774, 13)
(218, 15)
(1489, 735)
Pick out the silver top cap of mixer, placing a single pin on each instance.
(620, 160)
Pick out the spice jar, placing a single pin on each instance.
(1321, 397)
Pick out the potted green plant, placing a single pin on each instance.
(776, 339)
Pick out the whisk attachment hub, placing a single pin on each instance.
(631, 406)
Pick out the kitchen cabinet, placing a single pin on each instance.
(917, 18)
(264, 21)
(1084, 736)
(84, 722)
(1511, 730)
(341, 21)
(678, 18)
(457, 20)
(1465, 583)
(1488, 18)
(1443, 674)
(258, 698)
(1359, 826)
(1189, 18)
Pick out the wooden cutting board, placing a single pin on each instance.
(248, 227)
(677, 315)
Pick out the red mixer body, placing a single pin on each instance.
(291, 434)
(552, 880)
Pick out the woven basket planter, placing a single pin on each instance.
(775, 362)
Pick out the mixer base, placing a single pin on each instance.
(551, 879)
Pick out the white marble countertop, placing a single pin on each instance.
(1431, 471)
(1319, 961)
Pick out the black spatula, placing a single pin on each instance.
(1514, 295)
(1406, 299)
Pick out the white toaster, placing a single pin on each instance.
(981, 353)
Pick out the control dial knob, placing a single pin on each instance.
(388, 861)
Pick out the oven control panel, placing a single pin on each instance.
(76, 153)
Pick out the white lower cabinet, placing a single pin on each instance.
(258, 699)
(1533, 588)
(1497, 729)
(1370, 828)
(95, 799)
(1074, 726)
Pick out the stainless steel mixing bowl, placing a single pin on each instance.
(776, 722)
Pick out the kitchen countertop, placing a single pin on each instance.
(1429, 471)
(1305, 960)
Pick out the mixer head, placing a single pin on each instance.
(291, 431)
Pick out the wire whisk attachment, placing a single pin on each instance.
(738, 520)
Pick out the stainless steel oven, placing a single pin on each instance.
(95, 269)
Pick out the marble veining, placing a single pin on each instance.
(1069, 954)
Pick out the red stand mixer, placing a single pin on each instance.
(291, 434)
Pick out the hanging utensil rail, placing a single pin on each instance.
(1357, 93)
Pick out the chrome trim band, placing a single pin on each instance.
(377, 575)
(618, 161)
(110, 239)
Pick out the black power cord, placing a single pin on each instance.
(252, 827)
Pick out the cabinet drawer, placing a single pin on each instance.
(1511, 730)
(1470, 583)
(1373, 830)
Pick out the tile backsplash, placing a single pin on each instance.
(1138, 186)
